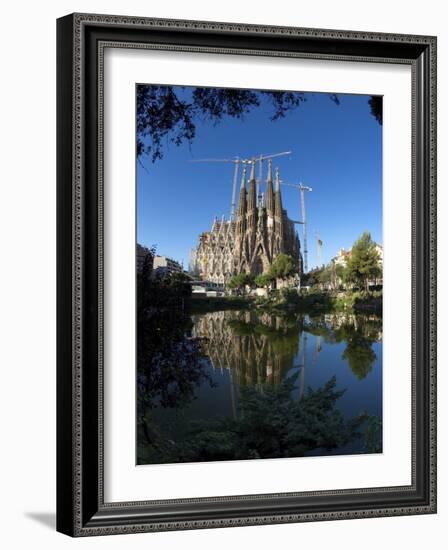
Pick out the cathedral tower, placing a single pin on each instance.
(250, 244)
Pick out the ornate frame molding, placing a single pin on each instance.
(81, 42)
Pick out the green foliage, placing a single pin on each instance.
(148, 263)
(178, 283)
(312, 278)
(270, 421)
(167, 292)
(283, 267)
(169, 115)
(376, 108)
(166, 114)
(170, 367)
(360, 357)
(240, 281)
(274, 424)
(264, 280)
(358, 332)
(363, 264)
(168, 362)
(373, 435)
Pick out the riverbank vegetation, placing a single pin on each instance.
(274, 416)
(271, 424)
(353, 283)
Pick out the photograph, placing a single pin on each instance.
(258, 268)
(246, 273)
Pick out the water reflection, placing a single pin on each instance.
(243, 384)
(261, 348)
(257, 349)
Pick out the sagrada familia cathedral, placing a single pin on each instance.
(251, 242)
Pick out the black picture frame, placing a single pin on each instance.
(81, 510)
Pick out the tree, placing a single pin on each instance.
(170, 368)
(274, 424)
(264, 280)
(359, 356)
(283, 267)
(169, 114)
(312, 278)
(331, 276)
(240, 281)
(363, 264)
(148, 262)
(179, 283)
(376, 108)
(325, 276)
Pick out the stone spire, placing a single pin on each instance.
(269, 191)
(242, 200)
(252, 195)
(261, 213)
(278, 212)
(222, 225)
(278, 197)
(242, 205)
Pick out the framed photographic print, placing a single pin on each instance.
(246, 274)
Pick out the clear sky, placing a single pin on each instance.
(336, 150)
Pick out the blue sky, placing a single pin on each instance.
(336, 150)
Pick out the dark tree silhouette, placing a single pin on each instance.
(376, 108)
(163, 114)
(166, 116)
(274, 425)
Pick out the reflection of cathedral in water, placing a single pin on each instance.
(257, 349)
(260, 349)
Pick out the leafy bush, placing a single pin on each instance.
(274, 424)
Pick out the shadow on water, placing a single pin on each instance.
(231, 385)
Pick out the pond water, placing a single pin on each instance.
(257, 375)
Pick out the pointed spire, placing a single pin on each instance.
(277, 180)
(252, 194)
(222, 225)
(269, 178)
(252, 170)
(269, 191)
(243, 179)
(261, 213)
(278, 199)
(241, 211)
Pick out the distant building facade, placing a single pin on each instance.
(141, 254)
(343, 256)
(379, 251)
(251, 242)
(163, 266)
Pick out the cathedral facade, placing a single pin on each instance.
(251, 242)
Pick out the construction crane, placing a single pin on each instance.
(319, 248)
(302, 188)
(237, 161)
